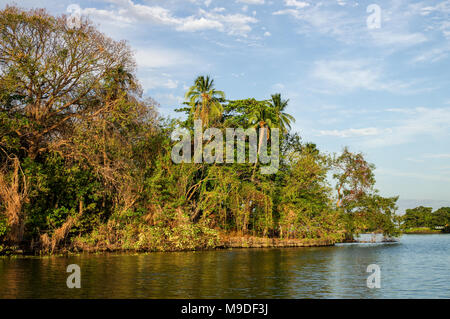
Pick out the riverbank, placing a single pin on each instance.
(225, 242)
(220, 241)
(261, 242)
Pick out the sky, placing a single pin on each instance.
(377, 83)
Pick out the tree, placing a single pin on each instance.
(59, 88)
(418, 217)
(423, 217)
(262, 116)
(283, 119)
(441, 218)
(50, 74)
(354, 176)
(305, 208)
(374, 213)
(205, 100)
(362, 208)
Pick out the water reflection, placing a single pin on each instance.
(416, 267)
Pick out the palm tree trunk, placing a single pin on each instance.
(262, 130)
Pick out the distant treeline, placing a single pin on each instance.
(85, 158)
(424, 217)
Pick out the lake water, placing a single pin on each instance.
(418, 266)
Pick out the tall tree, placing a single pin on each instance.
(50, 75)
(354, 177)
(262, 116)
(205, 100)
(283, 119)
(54, 82)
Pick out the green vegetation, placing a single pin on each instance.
(85, 159)
(423, 220)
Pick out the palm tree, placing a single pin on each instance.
(282, 118)
(205, 100)
(262, 116)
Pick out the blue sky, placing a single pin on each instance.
(383, 91)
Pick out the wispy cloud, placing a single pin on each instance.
(346, 21)
(424, 157)
(349, 75)
(432, 55)
(162, 58)
(251, 1)
(296, 3)
(431, 123)
(150, 81)
(321, 19)
(129, 12)
(399, 39)
(414, 175)
(369, 131)
(414, 123)
(438, 156)
(414, 160)
(438, 10)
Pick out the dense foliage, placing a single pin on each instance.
(85, 159)
(424, 217)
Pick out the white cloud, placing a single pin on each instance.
(316, 18)
(421, 176)
(194, 24)
(336, 19)
(154, 63)
(233, 24)
(445, 28)
(128, 12)
(169, 99)
(296, 3)
(150, 81)
(414, 124)
(238, 75)
(107, 16)
(414, 160)
(400, 110)
(348, 75)
(438, 13)
(161, 58)
(293, 12)
(432, 55)
(437, 156)
(369, 131)
(251, 1)
(431, 123)
(425, 9)
(389, 38)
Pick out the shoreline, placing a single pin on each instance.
(226, 243)
(232, 242)
(262, 242)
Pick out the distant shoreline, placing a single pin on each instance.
(422, 230)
